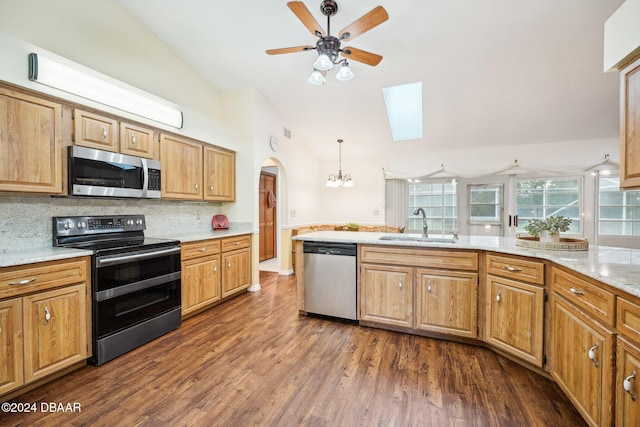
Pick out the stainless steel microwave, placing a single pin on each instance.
(106, 174)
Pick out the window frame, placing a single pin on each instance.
(443, 219)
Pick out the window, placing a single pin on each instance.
(541, 198)
(438, 199)
(618, 211)
(485, 203)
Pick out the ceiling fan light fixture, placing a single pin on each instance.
(323, 63)
(344, 74)
(316, 78)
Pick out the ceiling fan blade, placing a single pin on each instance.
(300, 10)
(361, 56)
(373, 18)
(289, 50)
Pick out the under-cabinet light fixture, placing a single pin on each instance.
(54, 74)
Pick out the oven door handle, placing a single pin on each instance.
(136, 286)
(120, 259)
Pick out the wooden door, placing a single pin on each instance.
(219, 174)
(11, 358)
(95, 131)
(630, 126)
(267, 215)
(583, 362)
(136, 141)
(515, 317)
(628, 371)
(30, 144)
(447, 302)
(55, 330)
(386, 295)
(236, 271)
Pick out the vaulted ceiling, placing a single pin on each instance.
(494, 72)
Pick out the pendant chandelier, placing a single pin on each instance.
(339, 180)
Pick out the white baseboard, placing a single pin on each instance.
(288, 272)
(254, 288)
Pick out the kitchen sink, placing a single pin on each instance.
(416, 238)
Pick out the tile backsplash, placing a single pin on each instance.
(25, 221)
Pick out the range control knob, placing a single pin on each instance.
(82, 224)
(139, 221)
(68, 225)
(129, 222)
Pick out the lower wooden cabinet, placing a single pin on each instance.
(582, 366)
(44, 320)
(200, 283)
(627, 388)
(236, 267)
(386, 295)
(515, 318)
(447, 302)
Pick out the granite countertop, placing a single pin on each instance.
(617, 267)
(33, 255)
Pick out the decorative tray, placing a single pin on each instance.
(565, 244)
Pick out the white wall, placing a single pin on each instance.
(622, 35)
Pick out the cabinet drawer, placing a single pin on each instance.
(628, 319)
(237, 242)
(420, 257)
(516, 268)
(37, 277)
(199, 249)
(590, 297)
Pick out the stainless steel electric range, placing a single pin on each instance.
(135, 280)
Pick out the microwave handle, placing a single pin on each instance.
(145, 176)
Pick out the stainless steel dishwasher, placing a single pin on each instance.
(330, 279)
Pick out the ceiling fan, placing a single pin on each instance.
(328, 46)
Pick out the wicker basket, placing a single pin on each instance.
(565, 244)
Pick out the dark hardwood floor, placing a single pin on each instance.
(253, 361)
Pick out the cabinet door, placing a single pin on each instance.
(95, 131)
(515, 318)
(583, 362)
(447, 301)
(236, 267)
(630, 126)
(55, 330)
(30, 144)
(219, 175)
(181, 168)
(136, 140)
(11, 375)
(386, 295)
(627, 374)
(200, 283)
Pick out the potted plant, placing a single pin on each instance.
(352, 226)
(548, 230)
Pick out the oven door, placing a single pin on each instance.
(102, 173)
(134, 287)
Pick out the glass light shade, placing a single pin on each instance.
(316, 78)
(345, 74)
(323, 63)
(347, 181)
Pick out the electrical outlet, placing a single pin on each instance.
(376, 212)
(198, 214)
(292, 213)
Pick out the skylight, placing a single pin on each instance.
(404, 108)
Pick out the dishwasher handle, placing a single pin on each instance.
(322, 248)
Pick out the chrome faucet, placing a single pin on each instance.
(425, 227)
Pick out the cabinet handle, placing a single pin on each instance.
(105, 134)
(228, 264)
(23, 282)
(513, 269)
(133, 139)
(202, 249)
(197, 186)
(592, 354)
(400, 284)
(236, 243)
(429, 286)
(499, 296)
(576, 291)
(215, 268)
(47, 315)
(626, 384)
(210, 187)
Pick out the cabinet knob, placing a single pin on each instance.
(133, 139)
(105, 134)
(499, 296)
(592, 354)
(429, 286)
(197, 186)
(228, 264)
(47, 315)
(215, 268)
(400, 284)
(210, 187)
(576, 291)
(626, 384)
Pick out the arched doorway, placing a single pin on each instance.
(268, 223)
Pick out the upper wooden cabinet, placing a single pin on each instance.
(108, 134)
(630, 125)
(181, 168)
(95, 131)
(219, 174)
(30, 144)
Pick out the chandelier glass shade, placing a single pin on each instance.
(339, 180)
